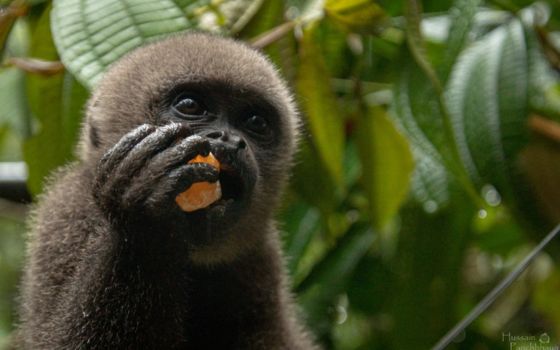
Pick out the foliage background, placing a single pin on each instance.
(428, 168)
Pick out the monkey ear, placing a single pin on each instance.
(90, 140)
(93, 136)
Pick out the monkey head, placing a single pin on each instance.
(229, 95)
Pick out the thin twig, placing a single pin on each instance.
(545, 127)
(16, 8)
(550, 50)
(36, 66)
(273, 35)
(496, 292)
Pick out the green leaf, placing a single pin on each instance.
(339, 59)
(487, 97)
(427, 273)
(310, 10)
(545, 297)
(416, 42)
(239, 12)
(392, 7)
(11, 260)
(10, 145)
(370, 287)
(17, 42)
(57, 103)
(332, 274)
(311, 180)
(544, 87)
(362, 16)
(387, 164)
(301, 223)
(281, 52)
(324, 120)
(498, 233)
(461, 16)
(14, 112)
(418, 115)
(8, 17)
(269, 15)
(92, 34)
(227, 16)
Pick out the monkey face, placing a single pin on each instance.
(219, 89)
(244, 132)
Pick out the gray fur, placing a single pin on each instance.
(85, 287)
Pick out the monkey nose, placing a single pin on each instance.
(228, 138)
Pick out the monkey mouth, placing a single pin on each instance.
(237, 181)
(232, 184)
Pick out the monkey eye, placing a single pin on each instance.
(257, 125)
(186, 105)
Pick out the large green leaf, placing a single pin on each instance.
(387, 164)
(441, 134)
(487, 96)
(92, 34)
(324, 120)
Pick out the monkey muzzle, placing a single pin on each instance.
(237, 177)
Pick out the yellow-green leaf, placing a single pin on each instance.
(387, 164)
(324, 120)
(364, 16)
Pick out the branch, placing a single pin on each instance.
(273, 35)
(36, 66)
(545, 127)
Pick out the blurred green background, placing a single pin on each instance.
(429, 163)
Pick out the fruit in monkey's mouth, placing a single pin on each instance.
(200, 194)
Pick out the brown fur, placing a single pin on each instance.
(84, 289)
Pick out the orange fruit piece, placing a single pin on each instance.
(210, 159)
(200, 194)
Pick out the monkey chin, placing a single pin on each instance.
(216, 235)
